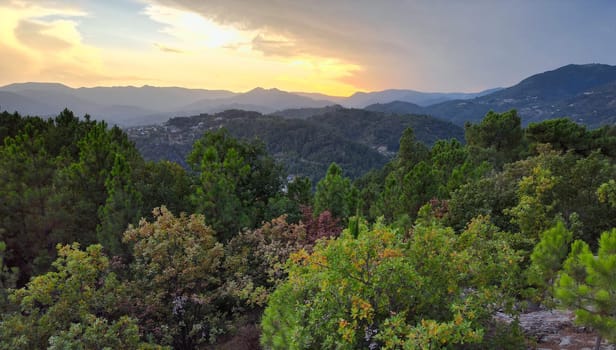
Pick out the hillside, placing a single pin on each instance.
(363, 99)
(585, 93)
(357, 140)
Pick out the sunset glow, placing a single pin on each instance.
(46, 43)
(331, 47)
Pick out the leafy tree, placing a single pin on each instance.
(64, 132)
(163, 183)
(76, 304)
(607, 193)
(255, 259)
(586, 283)
(498, 138)
(534, 212)
(236, 181)
(26, 172)
(300, 190)
(562, 133)
(121, 208)
(336, 194)
(417, 175)
(529, 195)
(10, 125)
(176, 284)
(385, 290)
(322, 226)
(82, 183)
(411, 151)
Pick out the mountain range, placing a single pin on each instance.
(585, 93)
(131, 106)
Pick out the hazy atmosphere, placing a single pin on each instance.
(333, 47)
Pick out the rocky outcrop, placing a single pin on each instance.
(555, 329)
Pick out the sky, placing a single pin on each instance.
(334, 47)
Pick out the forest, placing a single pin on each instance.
(101, 249)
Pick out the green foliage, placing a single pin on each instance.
(498, 138)
(163, 183)
(534, 212)
(299, 190)
(176, 280)
(410, 183)
(586, 283)
(411, 152)
(255, 259)
(336, 194)
(122, 207)
(8, 278)
(547, 258)
(562, 133)
(418, 175)
(83, 181)
(236, 181)
(25, 187)
(76, 304)
(356, 139)
(432, 288)
(530, 195)
(65, 180)
(607, 193)
(96, 333)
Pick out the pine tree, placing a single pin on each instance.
(587, 283)
(121, 208)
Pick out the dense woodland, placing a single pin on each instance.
(304, 141)
(102, 249)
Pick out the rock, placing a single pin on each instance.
(565, 341)
(541, 323)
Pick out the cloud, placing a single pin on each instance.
(341, 28)
(168, 49)
(44, 35)
(33, 34)
(275, 47)
(281, 55)
(430, 45)
(193, 32)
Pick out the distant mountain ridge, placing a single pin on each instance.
(363, 99)
(584, 93)
(131, 106)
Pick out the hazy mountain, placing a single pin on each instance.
(168, 99)
(117, 105)
(396, 107)
(585, 93)
(129, 105)
(363, 99)
(317, 96)
(259, 99)
(10, 101)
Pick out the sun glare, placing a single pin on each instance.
(194, 32)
